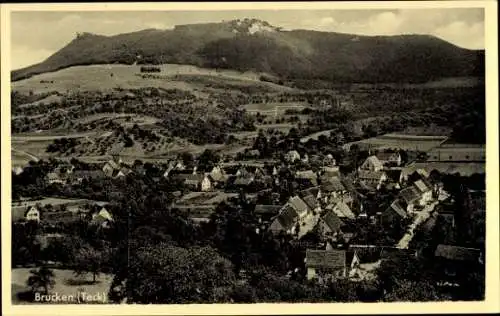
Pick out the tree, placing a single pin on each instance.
(90, 260)
(164, 273)
(41, 278)
(412, 291)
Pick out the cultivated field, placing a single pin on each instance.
(107, 77)
(404, 142)
(66, 283)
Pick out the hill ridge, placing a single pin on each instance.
(255, 45)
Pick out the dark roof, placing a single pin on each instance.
(310, 201)
(325, 258)
(409, 194)
(332, 221)
(457, 253)
(267, 209)
(287, 217)
(398, 209)
(332, 184)
(371, 175)
(310, 191)
(298, 204)
(393, 174)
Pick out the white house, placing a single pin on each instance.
(292, 156)
(206, 184)
(372, 163)
(33, 214)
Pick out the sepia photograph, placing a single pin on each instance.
(239, 156)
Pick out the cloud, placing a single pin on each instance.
(463, 34)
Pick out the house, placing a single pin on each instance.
(17, 170)
(314, 191)
(79, 175)
(454, 261)
(332, 188)
(330, 224)
(244, 181)
(103, 218)
(342, 210)
(313, 203)
(290, 216)
(266, 212)
(327, 265)
(32, 214)
(372, 179)
(53, 177)
(299, 206)
(394, 213)
(389, 158)
(286, 221)
(409, 197)
(292, 156)
(425, 191)
(197, 182)
(217, 174)
(395, 177)
(122, 173)
(110, 167)
(330, 171)
(372, 163)
(307, 176)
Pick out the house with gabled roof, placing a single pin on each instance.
(102, 218)
(395, 213)
(389, 158)
(372, 163)
(110, 167)
(299, 206)
(266, 212)
(307, 176)
(330, 224)
(342, 210)
(285, 221)
(455, 261)
(425, 191)
(411, 197)
(325, 265)
(312, 202)
(372, 180)
(32, 214)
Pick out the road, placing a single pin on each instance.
(420, 218)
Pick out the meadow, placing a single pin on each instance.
(66, 283)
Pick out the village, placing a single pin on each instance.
(292, 194)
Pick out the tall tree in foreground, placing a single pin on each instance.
(165, 274)
(90, 260)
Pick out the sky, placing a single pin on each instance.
(37, 35)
